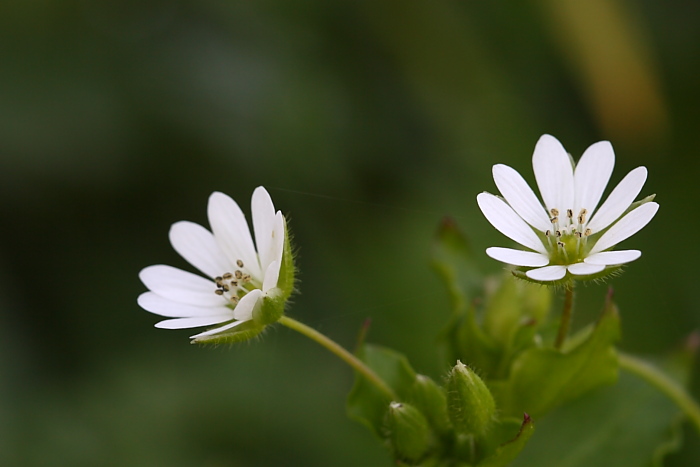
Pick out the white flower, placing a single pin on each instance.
(238, 276)
(568, 237)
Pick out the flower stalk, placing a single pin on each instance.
(566, 315)
(357, 364)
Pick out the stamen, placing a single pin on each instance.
(582, 217)
(228, 276)
(578, 242)
(570, 213)
(555, 212)
(219, 292)
(563, 250)
(586, 234)
(555, 222)
(239, 263)
(234, 299)
(238, 274)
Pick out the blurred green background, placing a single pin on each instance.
(368, 121)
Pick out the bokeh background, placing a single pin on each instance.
(368, 121)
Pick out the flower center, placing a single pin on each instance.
(234, 285)
(567, 239)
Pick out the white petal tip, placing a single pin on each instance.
(547, 273)
(584, 269)
(517, 257)
(610, 258)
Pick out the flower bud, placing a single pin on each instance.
(408, 432)
(470, 404)
(431, 400)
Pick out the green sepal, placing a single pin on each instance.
(470, 405)
(366, 403)
(507, 452)
(408, 432)
(285, 282)
(270, 309)
(636, 204)
(568, 280)
(543, 378)
(237, 334)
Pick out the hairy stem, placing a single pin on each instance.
(566, 315)
(344, 355)
(663, 383)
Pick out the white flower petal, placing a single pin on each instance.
(271, 276)
(154, 303)
(217, 330)
(198, 246)
(520, 196)
(608, 258)
(180, 286)
(181, 323)
(278, 239)
(244, 310)
(232, 233)
(591, 176)
(554, 174)
(619, 200)
(517, 257)
(629, 225)
(264, 225)
(547, 273)
(506, 221)
(585, 269)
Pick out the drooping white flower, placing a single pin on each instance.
(568, 236)
(239, 278)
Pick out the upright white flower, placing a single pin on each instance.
(567, 238)
(240, 279)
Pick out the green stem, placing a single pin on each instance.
(663, 383)
(565, 322)
(344, 355)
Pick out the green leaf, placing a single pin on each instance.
(365, 402)
(543, 378)
(513, 314)
(466, 341)
(454, 262)
(623, 426)
(513, 303)
(506, 453)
